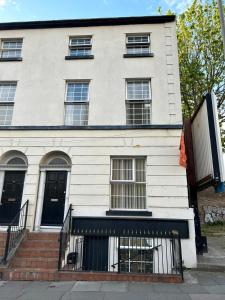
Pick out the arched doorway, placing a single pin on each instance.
(13, 166)
(53, 189)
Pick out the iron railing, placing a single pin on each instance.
(64, 237)
(154, 254)
(15, 232)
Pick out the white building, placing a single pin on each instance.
(90, 115)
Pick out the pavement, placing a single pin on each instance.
(198, 285)
(215, 258)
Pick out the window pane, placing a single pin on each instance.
(77, 41)
(12, 44)
(138, 90)
(76, 114)
(77, 91)
(7, 92)
(122, 169)
(140, 170)
(6, 112)
(138, 113)
(138, 50)
(80, 52)
(138, 39)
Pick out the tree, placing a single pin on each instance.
(200, 50)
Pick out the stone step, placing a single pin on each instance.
(210, 267)
(28, 253)
(45, 244)
(43, 236)
(43, 263)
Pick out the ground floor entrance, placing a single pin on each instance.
(54, 198)
(11, 195)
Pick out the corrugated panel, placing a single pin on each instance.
(202, 144)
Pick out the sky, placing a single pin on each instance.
(26, 10)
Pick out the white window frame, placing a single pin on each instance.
(80, 45)
(129, 80)
(133, 170)
(11, 49)
(78, 81)
(9, 103)
(137, 35)
(134, 158)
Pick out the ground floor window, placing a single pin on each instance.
(136, 255)
(128, 183)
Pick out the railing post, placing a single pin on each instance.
(25, 223)
(7, 244)
(60, 250)
(180, 258)
(118, 254)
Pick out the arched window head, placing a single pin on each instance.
(58, 161)
(16, 161)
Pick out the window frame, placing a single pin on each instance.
(136, 44)
(138, 35)
(134, 158)
(78, 81)
(139, 80)
(74, 103)
(11, 49)
(73, 47)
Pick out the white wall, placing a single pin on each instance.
(42, 74)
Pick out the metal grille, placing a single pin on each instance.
(11, 48)
(76, 114)
(128, 184)
(7, 92)
(138, 113)
(6, 112)
(121, 254)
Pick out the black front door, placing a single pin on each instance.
(54, 198)
(11, 195)
(95, 253)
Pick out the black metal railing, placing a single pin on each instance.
(15, 232)
(64, 237)
(154, 254)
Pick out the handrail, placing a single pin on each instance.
(64, 236)
(15, 232)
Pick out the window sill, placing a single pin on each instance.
(138, 55)
(133, 213)
(11, 59)
(79, 57)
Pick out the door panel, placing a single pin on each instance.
(11, 195)
(54, 198)
(95, 253)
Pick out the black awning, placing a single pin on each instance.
(129, 227)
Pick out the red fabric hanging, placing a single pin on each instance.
(183, 158)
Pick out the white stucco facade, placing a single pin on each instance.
(39, 101)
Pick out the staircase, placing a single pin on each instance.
(36, 258)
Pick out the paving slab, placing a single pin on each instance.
(86, 286)
(83, 296)
(193, 289)
(114, 287)
(126, 296)
(163, 296)
(53, 295)
(207, 297)
(216, 289)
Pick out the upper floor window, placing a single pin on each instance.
(138, 102)
(11, 48)
(138, 44)
(128, 183)
(76, 103)
(80, 46)
(7, 95)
